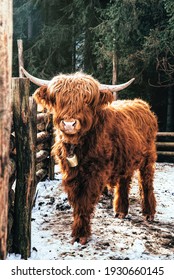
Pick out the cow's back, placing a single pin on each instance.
(139, 114)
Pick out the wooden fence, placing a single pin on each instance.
(165, 146)
(30, 162)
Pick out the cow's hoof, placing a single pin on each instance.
(81, 240)
(149, 218)
(120, 215)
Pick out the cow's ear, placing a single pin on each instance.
(42, 97)
(106, 96)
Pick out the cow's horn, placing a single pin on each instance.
(34, 80)
(115, 88)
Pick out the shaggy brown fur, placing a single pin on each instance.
(110, 140)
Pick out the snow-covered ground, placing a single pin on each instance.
(112, 239)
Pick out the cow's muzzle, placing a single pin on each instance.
(70, 126)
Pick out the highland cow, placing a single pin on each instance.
(100, 143)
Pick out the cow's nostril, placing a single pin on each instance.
(62, 123)
(74, 123)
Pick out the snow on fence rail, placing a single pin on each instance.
(30, 162)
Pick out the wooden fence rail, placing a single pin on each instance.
(165, 146)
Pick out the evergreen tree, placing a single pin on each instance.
(46, 35)
(113, 40)
(57, 35)
(125, 27)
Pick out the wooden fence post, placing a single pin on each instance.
(20, 57)
(51, 158)
(5, 115)
(26, 133)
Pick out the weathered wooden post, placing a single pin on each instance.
(25, 118)
(5, 115)
(51, 159)
(20, 57)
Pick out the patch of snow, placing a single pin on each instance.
(112, 239)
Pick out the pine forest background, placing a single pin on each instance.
(112, 40)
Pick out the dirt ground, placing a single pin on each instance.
(112, 238)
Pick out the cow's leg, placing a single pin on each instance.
(121, 197)
(83, 203)
(146, 178)
(81, 228)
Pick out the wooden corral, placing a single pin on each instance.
(30, 162)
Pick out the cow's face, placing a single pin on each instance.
(74, 101)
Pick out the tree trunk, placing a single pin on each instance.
(5, 115)
(30, 27)
(170, 109)
(73, 49)
(114, 68)
(114, 71)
